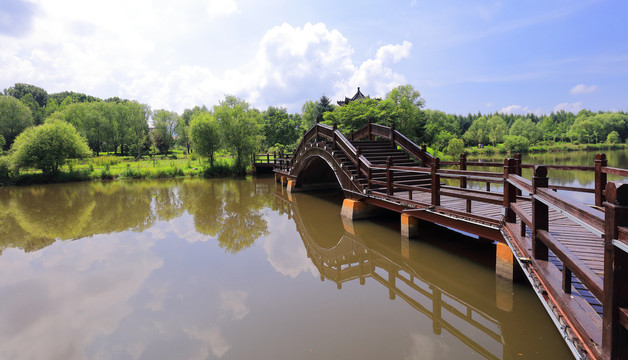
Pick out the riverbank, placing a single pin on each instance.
(118, 168)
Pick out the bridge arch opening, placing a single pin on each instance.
(317, 174)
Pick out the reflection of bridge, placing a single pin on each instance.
(576, 273)
(454, 305)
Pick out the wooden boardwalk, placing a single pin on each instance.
(575, 256)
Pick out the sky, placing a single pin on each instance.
(463, 57)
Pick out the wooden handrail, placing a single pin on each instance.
(591, 280)
(520, 183)
(591, 218)
(615, 171)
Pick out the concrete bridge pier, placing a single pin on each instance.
(355, 209)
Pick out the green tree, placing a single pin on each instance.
(14, 118)
(240, 127)
(435, 122)
(279, 127)
(2, 142)
(516, 143)
(164, 123)
(407, 114)
(308, 115)
(20, 90)
(497, 129)
(48, 146)
(612, 138)
(478, 132)
(205, 135)
(323, 105)
(455, 147)
(527, 129)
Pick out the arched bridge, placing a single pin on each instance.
(575, 255)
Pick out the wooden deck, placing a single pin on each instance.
(575, 256)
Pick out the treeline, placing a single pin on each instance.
(121, 126)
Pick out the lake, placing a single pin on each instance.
(237, 269)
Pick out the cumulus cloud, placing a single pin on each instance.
(518, 109)
(137, 53)
(581, 89)
(569, 107)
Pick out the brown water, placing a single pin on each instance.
(234, 269)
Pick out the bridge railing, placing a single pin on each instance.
(611, 291)
(371, 130)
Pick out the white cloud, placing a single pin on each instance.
(581, 89)
(233, 303)
(212, 339)
(569, 107)
(518, 109)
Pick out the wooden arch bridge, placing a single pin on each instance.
(574, 255)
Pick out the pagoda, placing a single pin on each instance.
(358, 96)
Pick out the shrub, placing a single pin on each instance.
(613, 138)
(48, 146)
(516, 143)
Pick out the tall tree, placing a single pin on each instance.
(279, 127)
(164, 123)
(205, 135)
(20, 90)
(497, 129)
(240, 126)
(14, 118)
(409, 118)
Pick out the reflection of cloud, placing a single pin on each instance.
(425, 348)
(285, 250)
(212, 339)
(233, 303)
(75, 300)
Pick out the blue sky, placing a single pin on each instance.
(463, 56)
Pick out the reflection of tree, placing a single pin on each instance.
(231, 210)
(204, 201)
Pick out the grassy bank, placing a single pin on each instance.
(110, 167)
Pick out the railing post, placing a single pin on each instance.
(392, 136)
(268, 159)
(368, 128)
(510, 191)
(358, 153)
(518, 168)
(540, 213)
(423, 156)
(389, 177)
(600, 178)
(615, 271)
(434, 166)
(463, 179)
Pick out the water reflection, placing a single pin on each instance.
(152, 276)
(34, 217)
(463, 303)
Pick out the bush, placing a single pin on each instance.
(516, 143)
(48, 146)
(613, 138)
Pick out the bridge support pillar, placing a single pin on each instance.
(290, 187)
(354, 209)
(409, 226)
(506, 272)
